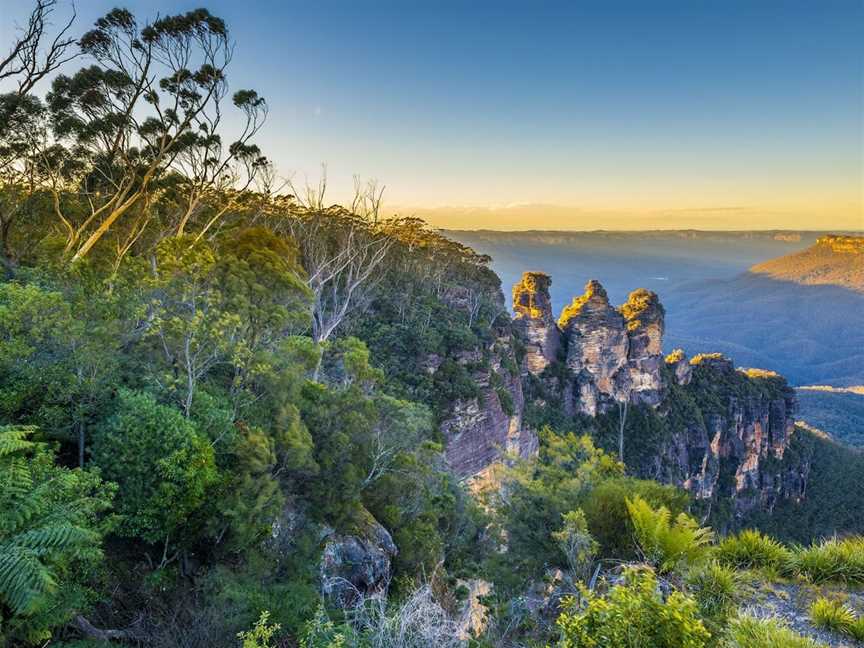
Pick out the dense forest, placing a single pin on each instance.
(215, 387)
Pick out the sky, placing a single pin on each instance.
(576, 115)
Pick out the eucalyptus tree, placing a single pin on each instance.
(37, 51)
(150, 104)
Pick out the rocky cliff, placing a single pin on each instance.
(533, 320)
(482, 429)
(718, 431)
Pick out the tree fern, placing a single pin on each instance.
(48, 530)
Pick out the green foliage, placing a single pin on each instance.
(666, 543)
(261, 634)
(576, 543)
(609, 520)
(835, 495)
(751, 549)
(321, 632)
(164, 468)
(538, 494)
(50, 537)
(747, 632)
(837, 617)
(632, 615)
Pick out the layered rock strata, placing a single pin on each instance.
(533, 320)
(717, 431)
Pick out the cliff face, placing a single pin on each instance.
(832, 260)
(482, 429)
(730, 440)
(717, 431)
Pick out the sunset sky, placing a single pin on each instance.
(720, 115)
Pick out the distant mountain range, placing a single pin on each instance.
(832, 260)
(812, 334)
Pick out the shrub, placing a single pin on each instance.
(751, 549)
(834, 615)
(747, 632)
(665, 543)
(605, 510)
(164, 467)
(831, 560)
(576, 543)
(261, 633)
(632, 615)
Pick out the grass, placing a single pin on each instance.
(831, 560)
(748, 632)
(836, 616)
(751, 549)
(718, 591)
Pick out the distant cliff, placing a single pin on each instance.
(833, 259)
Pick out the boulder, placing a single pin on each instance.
(356, 566)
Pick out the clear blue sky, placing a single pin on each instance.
(615, 107)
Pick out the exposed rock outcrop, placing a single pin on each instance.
(597, 347)
(357, 565)
(721, 433)
(481, 430)
(717, 431)
(533, 319)
(680, 365)
(644, 316)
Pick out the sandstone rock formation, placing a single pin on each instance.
(533, 319)
(480, 431)
(597, 346)
(614, 354)
(719, 432)
(644, 316)
(832, 260)
(736, 452)
(681, 369)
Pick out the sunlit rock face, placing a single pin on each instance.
(718, 431)
(533, 319)
(597, 347)
(644, 317)
(678, 362)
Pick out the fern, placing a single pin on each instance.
(47, 522)
(665, 543)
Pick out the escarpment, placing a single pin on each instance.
(717, 431)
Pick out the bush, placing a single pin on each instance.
(751, 549)
(664, 543)
(632, 615)
(605, 510)
(747, 632)
(831, 560)
(164, 468)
